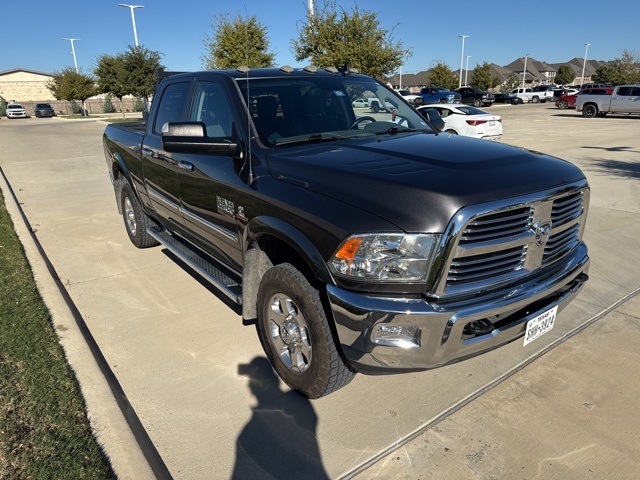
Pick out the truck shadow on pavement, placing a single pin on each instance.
(280, 439)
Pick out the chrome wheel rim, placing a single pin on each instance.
(289, 333)
(130, 216)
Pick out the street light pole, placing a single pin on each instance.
(466, 72)
(584, 64)
(461, 59)
(73, 51)
(524, 73)
(133, 19)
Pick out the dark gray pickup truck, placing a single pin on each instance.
(357, 243)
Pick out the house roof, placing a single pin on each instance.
(17, 70)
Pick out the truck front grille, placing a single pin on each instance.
(512, 241)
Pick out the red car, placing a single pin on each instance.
(569, 101)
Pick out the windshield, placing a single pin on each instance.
(14, 106)
(321, 108)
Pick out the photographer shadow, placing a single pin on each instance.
(280, 439)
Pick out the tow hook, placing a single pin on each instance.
(478, 327)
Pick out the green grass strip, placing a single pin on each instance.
(44, 430)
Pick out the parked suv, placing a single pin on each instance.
(43, 110)
(15, 110)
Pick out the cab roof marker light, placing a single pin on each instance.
(331, 69)
(286, 69)
(311, 69)
(243, 69)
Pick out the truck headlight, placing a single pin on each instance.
(385, 257)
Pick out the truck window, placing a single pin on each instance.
(211, 107)
(171, 105)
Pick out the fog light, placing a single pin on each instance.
(397, 336)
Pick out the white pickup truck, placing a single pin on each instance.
(533, 95)
(624, 99)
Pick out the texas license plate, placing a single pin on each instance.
(538, 326)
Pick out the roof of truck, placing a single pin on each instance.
(244, 72)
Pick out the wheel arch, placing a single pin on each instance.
(120, 173)
(271, 241)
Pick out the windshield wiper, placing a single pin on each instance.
(313, 138)
(394, 130)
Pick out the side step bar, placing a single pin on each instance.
(201, 265)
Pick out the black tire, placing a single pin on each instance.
(136, 221)
(303, 352)
(442, 100)
(589, 111)
(563, 104)
(535, 100)
(375, 107)
(477, 103)
(452, 132)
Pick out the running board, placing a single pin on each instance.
(201, 265)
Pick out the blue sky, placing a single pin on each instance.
(33, 30)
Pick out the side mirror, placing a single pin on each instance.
(191, 137)
(434, 118)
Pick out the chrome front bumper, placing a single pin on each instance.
(441, 339)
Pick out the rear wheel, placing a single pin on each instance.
(535, 99)
(296, 336)
(563, 104)
(589, 111)
(135, 220)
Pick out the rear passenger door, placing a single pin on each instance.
(160, 167)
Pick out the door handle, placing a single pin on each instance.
(186, 166)
(148, 151)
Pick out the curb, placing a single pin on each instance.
(112, 419)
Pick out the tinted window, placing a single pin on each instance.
(635, 91)
(211, 106)
(172, 103)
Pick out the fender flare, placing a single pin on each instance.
(288, 233)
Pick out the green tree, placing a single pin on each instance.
(332, 38)
(482, 77)
(3, 106)
(620, 71)
(140, 69)
(440, 75)
(107, 106)
(510, 83)
(111, 76)
(564, 75)
(237, 42)
(70, 85)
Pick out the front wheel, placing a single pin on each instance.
(589, 111)
(136, 221)
(296, 336)
(563, 104)
(535, 100)
(477, 103)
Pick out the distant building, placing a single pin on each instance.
(22, 85)
(537, 73)
(576, 64)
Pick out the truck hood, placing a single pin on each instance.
(419, 181)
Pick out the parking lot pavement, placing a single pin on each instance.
(196, 377)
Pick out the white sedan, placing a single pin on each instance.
(468, 121)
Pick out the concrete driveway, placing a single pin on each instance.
(199, 383)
